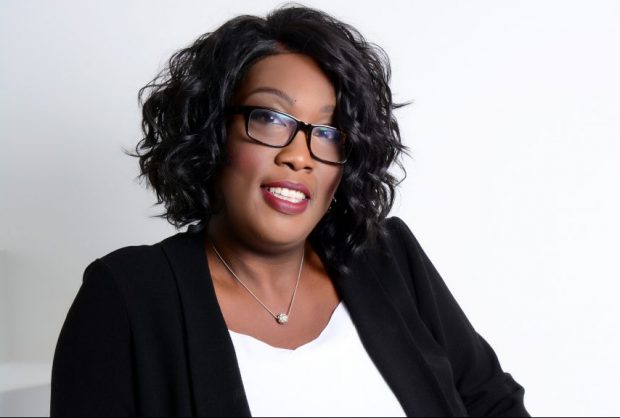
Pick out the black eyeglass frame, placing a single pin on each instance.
(301, 126)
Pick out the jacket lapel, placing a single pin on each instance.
(388, 340)
(216, 381)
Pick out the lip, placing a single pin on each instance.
(284, 206)
(290, 185)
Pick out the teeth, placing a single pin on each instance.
(289, 195)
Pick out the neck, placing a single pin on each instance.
(271, 270)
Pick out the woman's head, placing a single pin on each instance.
(293, 84)
(198, 157)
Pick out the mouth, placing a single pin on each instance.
(287, 201)
(289, 195)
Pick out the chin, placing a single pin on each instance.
(286, 229)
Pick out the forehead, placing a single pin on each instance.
(296, 75)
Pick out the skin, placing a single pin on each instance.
(263, 246)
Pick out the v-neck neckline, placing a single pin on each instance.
(302, 347)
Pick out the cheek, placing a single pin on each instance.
(244, 169)
(245, 159)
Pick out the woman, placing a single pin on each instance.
(291, 293)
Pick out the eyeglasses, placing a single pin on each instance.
(277, 129)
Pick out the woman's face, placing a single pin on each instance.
(294, 84)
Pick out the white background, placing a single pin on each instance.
(512, 189)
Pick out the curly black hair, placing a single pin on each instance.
(184, 123)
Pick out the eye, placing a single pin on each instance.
(267, 117)
(329, 134)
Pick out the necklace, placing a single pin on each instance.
(281, 318)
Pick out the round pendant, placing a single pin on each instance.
(282, 319)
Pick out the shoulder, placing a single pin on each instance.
(134, 259)
(398, 231)
(394, 254)
(128, 266)
(399, 258)
(398, 240)
(138, 270)
(395, 228)
(140, 259)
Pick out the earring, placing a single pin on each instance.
(334, 201)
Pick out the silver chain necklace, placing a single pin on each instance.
(281, 318)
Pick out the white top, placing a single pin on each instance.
(329, 376)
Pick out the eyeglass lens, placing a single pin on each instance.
(273, 128)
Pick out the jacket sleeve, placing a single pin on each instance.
(486, 390)
(92, 370)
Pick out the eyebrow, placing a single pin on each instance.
(286, 97)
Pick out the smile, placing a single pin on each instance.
(289, 195)
(289, 202)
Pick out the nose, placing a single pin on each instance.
(296, 155)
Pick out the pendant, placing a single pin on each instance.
(282, 318)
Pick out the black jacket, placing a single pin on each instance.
(145, 336)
